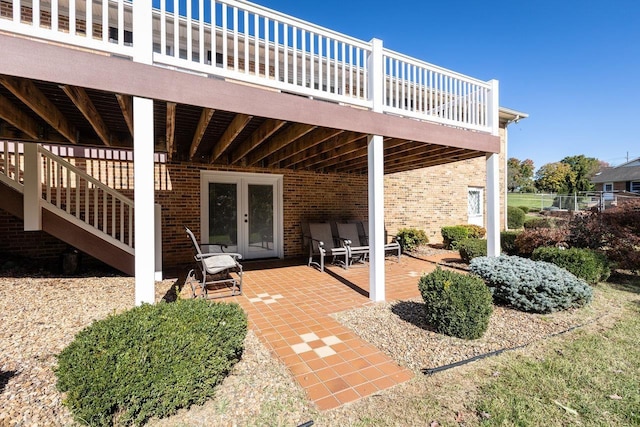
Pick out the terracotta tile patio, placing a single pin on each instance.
(289, 308)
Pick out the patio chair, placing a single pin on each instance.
(393, 247)
(359, 249)
(214, 269)
(322, 243)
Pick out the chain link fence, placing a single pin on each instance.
(581, 201)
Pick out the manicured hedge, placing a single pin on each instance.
(457, 305)
(150, 361)
(451, 235)
(586, 264)
(515, 217)
(472, 248)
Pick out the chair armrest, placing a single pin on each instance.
(223, 246)
(320, 242)
(345, 242)
(211, 254)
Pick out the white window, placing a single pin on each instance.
(607, 188)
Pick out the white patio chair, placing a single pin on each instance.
(215, 266)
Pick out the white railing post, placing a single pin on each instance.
(142, 31)
(158, 235)
(493, 205)
(493, 107)
(144, 184)
(376, 177)
(32, 187)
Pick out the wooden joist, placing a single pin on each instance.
(278, 142)
(236, 126)
(171, 128)
(203, 123)
(266, 129)
(126, 106)
(83, 103)
(302, 144)
(18, 118)
(27, 92)
(318, 150)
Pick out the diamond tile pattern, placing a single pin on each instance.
(289, 308)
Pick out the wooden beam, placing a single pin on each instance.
(81, 100)
(239, 122)
(27, 92)
(266, 129)
(278, 142)
(433, 162)
(337, 155)
(126, 106)
(318, 150)
(205, 118)
(18, 118)
(311, 139)
(400, 151)
(171, 128)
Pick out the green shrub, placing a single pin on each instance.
(586, 264)
(534, 286)
(524, 209)
(472, 248)
(150, 361)
(411, 238)
(533, 223)
(508, 242)
(451, 235)
(456, 304)
(475, 231)
(515, 217)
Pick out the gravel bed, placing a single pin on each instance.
(40, 316)
(406, 337)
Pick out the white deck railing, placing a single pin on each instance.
(68, 190)
(243, 41)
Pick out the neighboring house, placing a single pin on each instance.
(242, 130)
(625, 177)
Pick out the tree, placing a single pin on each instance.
(584, 168)
(555, 177)
(519, 175)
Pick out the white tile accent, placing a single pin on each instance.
(331, 340)
(324, 351)
(301, 348)
(309, 337)
(266, 298)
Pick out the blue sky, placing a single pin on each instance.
(573, 66)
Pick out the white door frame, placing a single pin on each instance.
(243, 179)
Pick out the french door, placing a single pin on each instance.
(242, 211)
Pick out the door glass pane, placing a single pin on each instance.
(260, 199)
(474, 202)
(223, 215)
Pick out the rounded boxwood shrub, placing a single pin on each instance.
(515, 217)
(451, 235)
(508, 242)
(586, 264)
(456, 304)
(534, 286)
(150, 361)
(472, 248)
(411, 238)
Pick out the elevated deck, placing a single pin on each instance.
(246, 43)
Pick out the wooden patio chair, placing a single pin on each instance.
(214, 270)
(322, 244)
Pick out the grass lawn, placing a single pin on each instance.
(530, 200)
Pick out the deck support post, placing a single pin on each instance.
(375, 153)
(32, 188)
(493, 176)
(145, 231)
